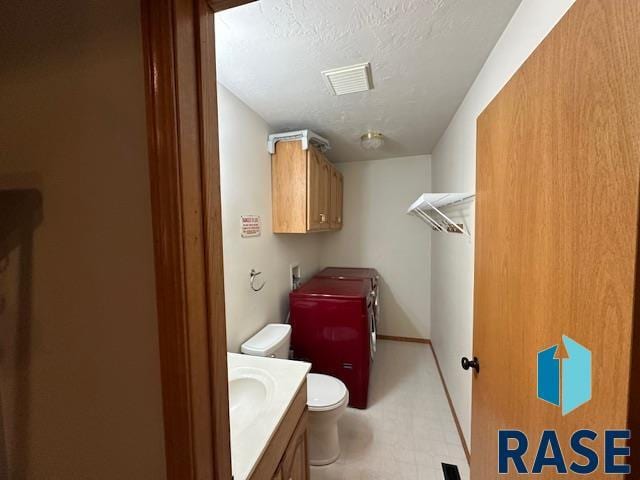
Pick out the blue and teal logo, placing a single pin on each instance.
(564, 378)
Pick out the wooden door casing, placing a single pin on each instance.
(558, 171)
(219, 5)
(180, 86)
(183, 160)
(278, 475)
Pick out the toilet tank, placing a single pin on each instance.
(272, 341)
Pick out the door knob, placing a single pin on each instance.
(467, 364)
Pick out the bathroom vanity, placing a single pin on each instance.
(268, 413)
(293, 462)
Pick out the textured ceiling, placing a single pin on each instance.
(424, 55)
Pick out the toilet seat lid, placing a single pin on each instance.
(324, 392)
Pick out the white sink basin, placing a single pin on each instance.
(250, 394)
(260, 393)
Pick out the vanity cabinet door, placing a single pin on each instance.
(295, 463)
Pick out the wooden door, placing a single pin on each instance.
(556, 230)
(315, 190)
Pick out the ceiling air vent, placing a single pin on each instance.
(352, 79)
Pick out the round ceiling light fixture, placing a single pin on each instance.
(372, 140)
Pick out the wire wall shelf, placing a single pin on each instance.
(429, 208)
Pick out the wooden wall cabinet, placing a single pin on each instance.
(306, 190)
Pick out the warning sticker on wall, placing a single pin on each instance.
(250, 226)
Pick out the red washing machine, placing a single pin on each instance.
(332, 324)
(349, 273)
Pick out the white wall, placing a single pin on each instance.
(87, 391)
(453, 171)
(245, 169)
(378, 233)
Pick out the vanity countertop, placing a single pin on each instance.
(253, 423)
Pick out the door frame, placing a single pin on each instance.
(182, 131)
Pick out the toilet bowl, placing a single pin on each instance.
(327, 397)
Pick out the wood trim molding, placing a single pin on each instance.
(393, 338)
(633, 412)
(453, 410)
(181, 123)
(219, 5)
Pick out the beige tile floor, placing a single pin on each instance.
(408, 429)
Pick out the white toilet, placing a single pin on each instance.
(327, 397)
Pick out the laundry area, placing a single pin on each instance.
(329, 115)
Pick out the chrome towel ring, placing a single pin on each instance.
(252, 278)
